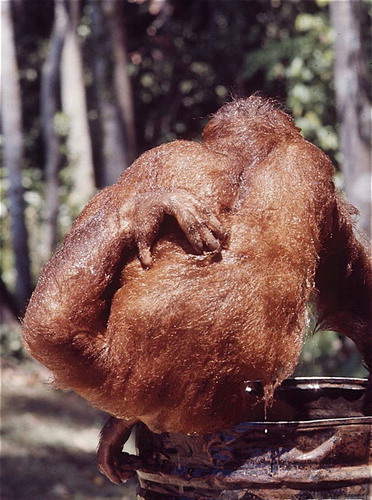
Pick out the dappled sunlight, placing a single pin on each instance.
(49, 441)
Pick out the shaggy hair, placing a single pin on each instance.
(173, 343)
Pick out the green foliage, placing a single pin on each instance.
(329, 354)
(300, 54)
(6, 252)
(185, 67)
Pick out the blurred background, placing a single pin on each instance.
(88, 85)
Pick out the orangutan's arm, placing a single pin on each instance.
(64, 326)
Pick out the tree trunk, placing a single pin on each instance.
(353, 106)
(13, 156)
(122, 83)
(49, 106)
(112, 133)
(74, 106)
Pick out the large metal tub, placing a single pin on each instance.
(324, 453)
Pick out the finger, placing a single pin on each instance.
(216, 227)
(205, 217)
(209, 240)
(144, 253)
(112, 476)
(200, 233)
(194, 238)
(107, 469)
(195, 230)
(201, 228)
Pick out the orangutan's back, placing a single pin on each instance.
(173, 327)
(175, 343)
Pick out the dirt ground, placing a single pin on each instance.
(48, 441)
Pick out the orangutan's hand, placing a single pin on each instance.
(201, 227)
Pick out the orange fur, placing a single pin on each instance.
(174, 344)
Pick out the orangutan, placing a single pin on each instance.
(192, 276)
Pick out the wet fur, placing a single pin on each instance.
(173, 345)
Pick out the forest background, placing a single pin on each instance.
(88, 85)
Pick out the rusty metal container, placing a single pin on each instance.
(325, 452)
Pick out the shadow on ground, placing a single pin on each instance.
(49, 440)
